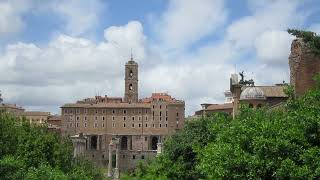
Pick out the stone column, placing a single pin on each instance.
(116, 170)
(98, 142)
(159, 148)
(110, 161)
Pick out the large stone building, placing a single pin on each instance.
(137, 125)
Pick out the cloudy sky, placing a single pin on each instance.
(59, 51)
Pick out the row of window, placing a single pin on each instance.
(114, 125)
(113, 118)
(77, 111)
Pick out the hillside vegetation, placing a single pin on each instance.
(29, 152)
(283, 143)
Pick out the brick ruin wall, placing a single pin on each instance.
(304, 65)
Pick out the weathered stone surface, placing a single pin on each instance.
(304, 65)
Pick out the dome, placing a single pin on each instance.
(252, 93)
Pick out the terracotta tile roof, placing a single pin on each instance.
(36, 113)
(54, 118)
(13, 106)
(219, 106)
(108, 105)
(160, 97)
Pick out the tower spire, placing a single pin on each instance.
(131, 55)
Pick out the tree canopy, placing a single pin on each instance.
(311, 38)
(31, 152)
(282, 143)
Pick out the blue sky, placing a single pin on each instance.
(56, 52)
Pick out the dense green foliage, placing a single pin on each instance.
(283, 143)
(29, 152)
(311, 38)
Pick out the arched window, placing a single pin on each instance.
(130, 87)
(124, 143)
(131, 73)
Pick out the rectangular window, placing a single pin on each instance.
(153, 125)
(113, 111)
(133, 118)
(132, 125)
(103, 118)
(113, 125)
(139, 118)
(146, 118)
(166, 125)
(96, 111)
(146, 125)
(139, 125)
(124, 118)
(160, 106)
(85, 118)
(124, 124)
(77, 124)
(124, 111)
(112, 118)
(133, 156)
(160, 119)
(102, 124)
(166, 118)
(177, 114)
(160, 125)
(70, 124)
(85, 125)
(166, 113)
(77, 118)
(96, 118)
(145, 138)
(95, 125)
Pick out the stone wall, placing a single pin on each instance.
(304, 65)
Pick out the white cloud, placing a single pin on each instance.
(81, 16)
(69, 67)
(273, 46)
(275, 15)
(187, 21)
(10, 17)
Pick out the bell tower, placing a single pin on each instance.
(131, 81)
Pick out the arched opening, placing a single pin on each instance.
(131, 73)
(250, 105)
(130, 87)
(94, 143)
(259, 105)
(124, 143)
(154, 142)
